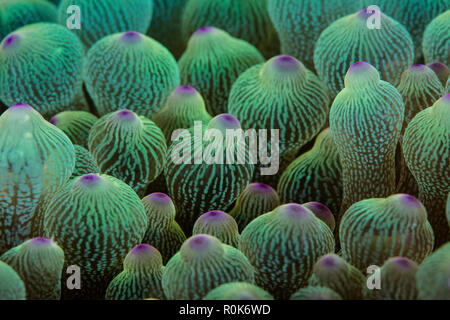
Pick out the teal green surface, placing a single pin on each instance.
(202, 264)
(36, 159)
(212, 62)
(283, 246)
(129, 147)
(129, 71)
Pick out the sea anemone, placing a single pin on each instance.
(397, 280)
(29, 11)
(365, 121)
(426, 151)
(433, 275)
(129, 147)
(348, 40)
(315, 175)
(75, 124)
(11, 286)
(163, 231)
(212, 62)
(141, 276)
(420, 88)
(39, 263)
(238, 291)
(335, 273)
(256, 199)
(436, 39)
(96, 219)
(315, 293)
(129, 71)
(220, 225)
(50, 57)
(182, 108)
(283, 246)
(202, 264)
(247, 20)
(101, 18)
(36, 158)
(373, 230)
(300, 22)
(201, 186)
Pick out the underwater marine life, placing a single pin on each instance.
(348, 40)
(426, 151)
(335, 273)
(11, 286)
(96, 219)
(163, 231)
(129, 62)
(315, 293)
(36, 158)
(29, 11)
(300, 22)
(256, 199)
(373, 230)
(76, 125)
(299, 238)
(202, 264)
(220, 225)
(436, 39)
(213, 60)
(398, 280)
(141, 276)
(238, 291)
(51, 57)
(315, 175)
(39, 262)
(365, 122)
(247, 20)
(433, 275)
(420, 88)
(101, 18)
(129, 147)
(182, 108)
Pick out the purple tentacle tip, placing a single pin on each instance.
(358, 66)
(126, 114)
(437, 65)
(199, 242)
(328, 261)
(446, 97)
(10, 41)
(228, 119)
(410, 200)
(418, 67)
(261, 187)
(402, 262)
(285, 60)
(131, 36)
(204, 30)
(90, 179)
(215, 215)
(142, 248)
(41, 241)
(159, 197)
(20, 106)
(53, 120)
(365, 13)
(295, 210)
(188, 90)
